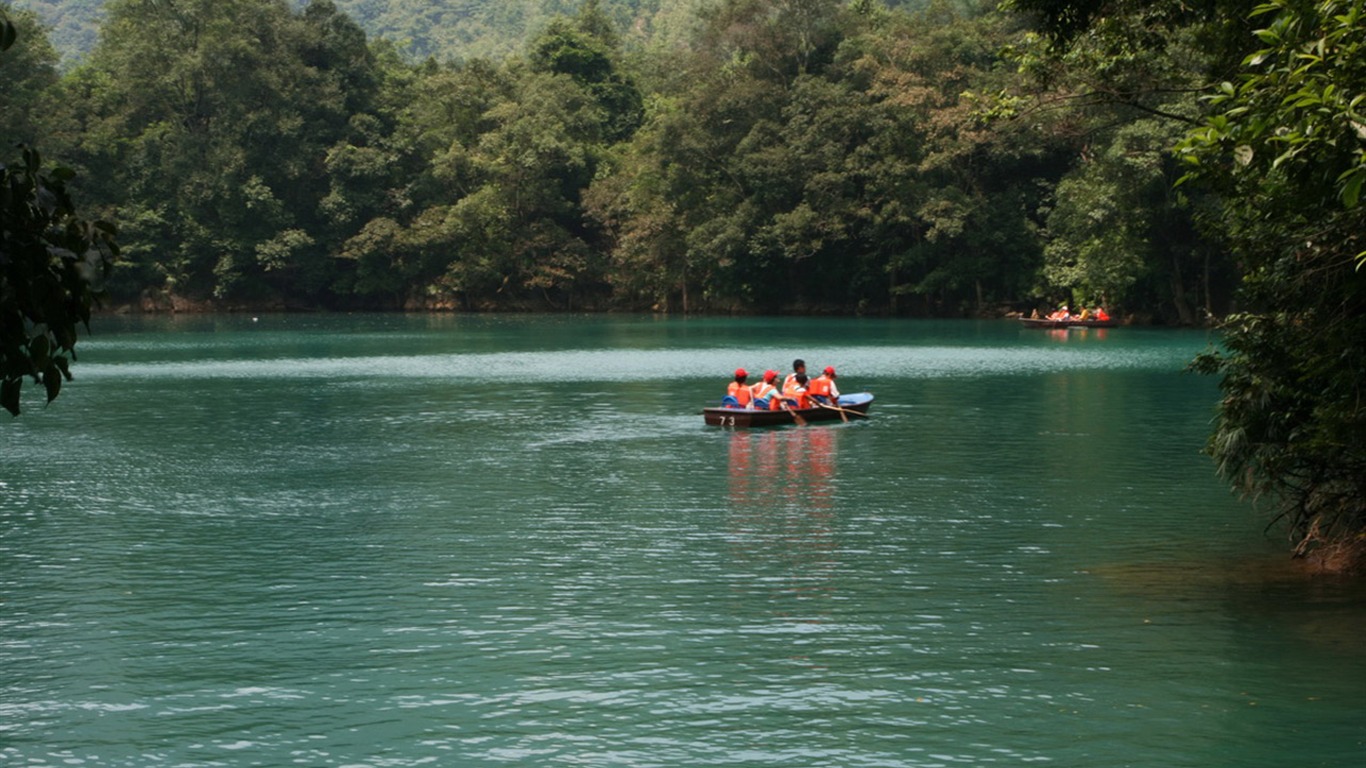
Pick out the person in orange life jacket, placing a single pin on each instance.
(798, 369)
(738, 392)
(822, 388)
(794, 394)
(764, 394)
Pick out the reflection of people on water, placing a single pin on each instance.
(738, 468)
(819, 470)
(782, 514)
(773, 469)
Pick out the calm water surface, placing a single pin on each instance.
(480, 541)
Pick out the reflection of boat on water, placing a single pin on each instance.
(852, 406)
(1043, 322)
(782, 502)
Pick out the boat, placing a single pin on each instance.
(850, 406)
(1043, 322)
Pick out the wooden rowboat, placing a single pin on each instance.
(852, 406)
(1043, 322)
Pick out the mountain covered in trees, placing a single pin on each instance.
(447, 30)
(766, 155)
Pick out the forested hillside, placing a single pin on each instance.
(443, 29)
(781, 155)
(73, 25)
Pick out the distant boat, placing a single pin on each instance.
(850, 405)
(1043, 322)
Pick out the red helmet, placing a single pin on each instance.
(770, 375)
(741, 373)
(829, 370)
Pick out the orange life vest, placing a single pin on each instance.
(819, 386)
(794, 391)
(740, 392)
(762, 389)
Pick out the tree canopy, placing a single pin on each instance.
(1288, 144)
(51, 261)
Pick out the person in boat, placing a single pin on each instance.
(1085, 314)
(764, 396)
(1102, 315)
(798, 369)
(737, 393)
(1061, 314)
(822, 389)
(795, 394)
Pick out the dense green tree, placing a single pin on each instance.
(499, 158)
(51, 265)
(214, 120)
(28, 75)
(1122, 235)
(972, 240)
(73, 24)
(861, 176)
(783, 155)
(519, 233)
(587, 48)
(1124, 78)
(1287, 146)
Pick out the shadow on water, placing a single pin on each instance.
(1286, 600)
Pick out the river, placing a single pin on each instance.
(389, 540)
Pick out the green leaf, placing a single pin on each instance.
(9, 395)
(1351, 191)
(39, 350)
(52, 380)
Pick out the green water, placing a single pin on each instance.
(479, 541)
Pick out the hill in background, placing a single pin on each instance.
(441, 29)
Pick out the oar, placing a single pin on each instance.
(843, 417)
(797, 417)
(823, 404)
(843, 411)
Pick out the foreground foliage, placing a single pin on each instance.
(1290, 144)
(51, 262)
